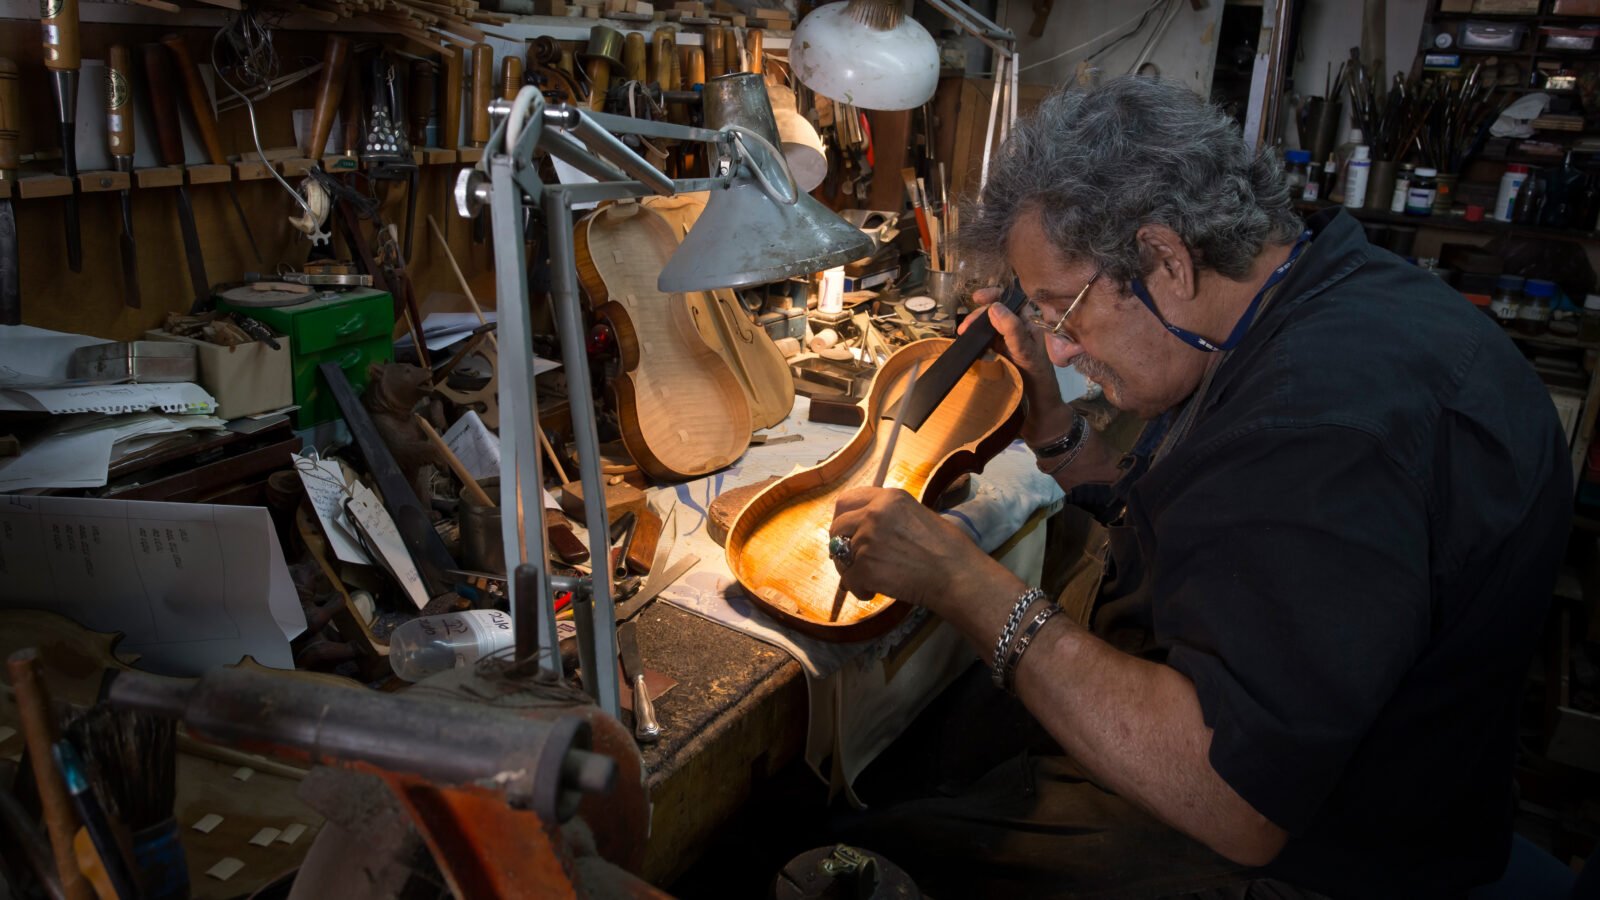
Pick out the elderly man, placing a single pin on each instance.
(1338, 533)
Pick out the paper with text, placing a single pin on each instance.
(191, 586)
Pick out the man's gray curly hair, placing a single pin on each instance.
(1098, 164)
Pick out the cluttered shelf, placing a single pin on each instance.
(1453, 223)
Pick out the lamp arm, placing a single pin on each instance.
(608, 147)
(1001, 40)
(787, 198)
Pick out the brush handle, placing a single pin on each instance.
(329, 86)
(163, 103)
(39, 732)
(716, 52)
(482, 92)
(510, 77)
(450, 118)
(119, 104)
(634, 56)
(199, 103)
(59, 22)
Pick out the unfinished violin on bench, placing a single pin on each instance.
(683, 413)
(778, 546)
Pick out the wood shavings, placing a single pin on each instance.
(207, 823)
(265, 837)
(292, 833)
(243, 773)
(226, 868)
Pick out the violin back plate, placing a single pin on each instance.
(778, 546)
(682, 411)
(756, 361)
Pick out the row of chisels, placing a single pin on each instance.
(169, 73)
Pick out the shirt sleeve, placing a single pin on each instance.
(1292, 589)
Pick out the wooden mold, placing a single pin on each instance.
(778, 546)
(683, 413)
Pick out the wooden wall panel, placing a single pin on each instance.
(91, 302)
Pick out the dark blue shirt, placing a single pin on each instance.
(1351, 555)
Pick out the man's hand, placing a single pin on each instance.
(1048, 415)
(902, 549)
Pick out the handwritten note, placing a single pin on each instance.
(327, 486)
(380, 533)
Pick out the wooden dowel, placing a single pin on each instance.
(468, 484)
(461, 278)
(39, 732)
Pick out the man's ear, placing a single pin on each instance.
(1169, 268)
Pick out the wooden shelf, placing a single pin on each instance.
(1456, 223)
(36, 185)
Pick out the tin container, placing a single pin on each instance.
(145, 362)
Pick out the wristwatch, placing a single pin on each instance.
(1067, 443)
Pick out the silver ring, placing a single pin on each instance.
(839, 549)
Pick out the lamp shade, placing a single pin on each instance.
(746, 238)
(751, 232)
(797, 138)
(840, 57)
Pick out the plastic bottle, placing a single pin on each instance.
(1538, 297)
(1419, 196)
(1510, 184)
(1296, 172)
(1507, 300)
(432, 644)
(1355, 186)
(1530, 201)
(1342, 155)
(1402, 184)
(1330, 174)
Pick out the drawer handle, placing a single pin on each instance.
(350, 359)
(351, 327)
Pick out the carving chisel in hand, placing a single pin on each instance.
(59, 19)
(119, 140)
(10, 124)
(164, 102)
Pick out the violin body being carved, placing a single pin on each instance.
(778, 546)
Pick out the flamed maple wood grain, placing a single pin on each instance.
(756, 360)
(778, 546)
(682, 411)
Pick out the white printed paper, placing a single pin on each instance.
(169, 397)
(191, 586)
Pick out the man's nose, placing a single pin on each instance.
(1062, 350)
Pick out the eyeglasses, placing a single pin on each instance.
(1035, 315)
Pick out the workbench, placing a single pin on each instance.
(743, 708)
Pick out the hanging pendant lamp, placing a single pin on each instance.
(866, 53)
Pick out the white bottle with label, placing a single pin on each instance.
(1510, 185)
(433, 644)
(1355, 185)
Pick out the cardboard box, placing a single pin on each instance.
(248, 379)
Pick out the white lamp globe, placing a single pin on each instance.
(866, 53)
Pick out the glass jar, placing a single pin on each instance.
(1538, 298)
(1507, 300)
(1297, 172)
(1402, 185)
(1422, 191)
(1589, 324)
